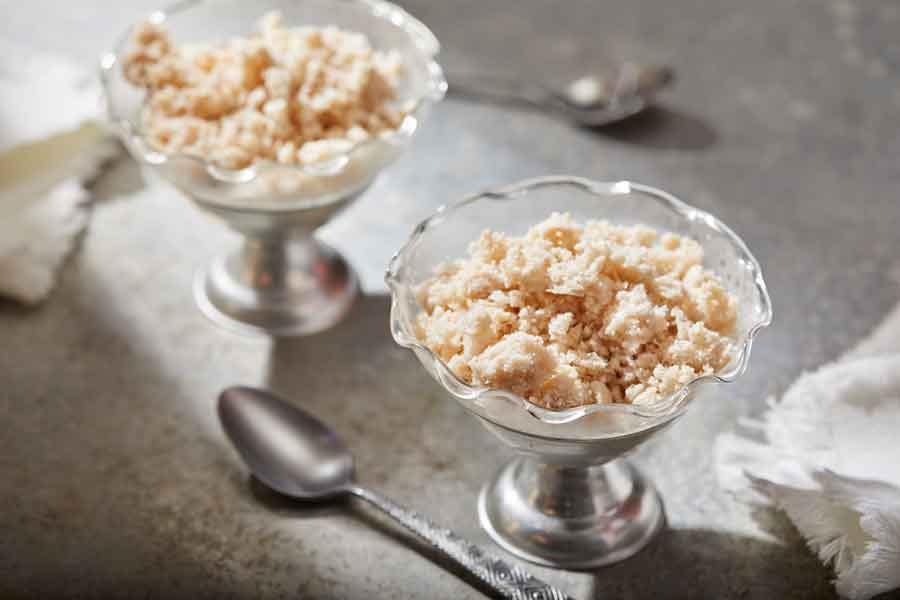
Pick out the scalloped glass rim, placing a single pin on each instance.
(667, 408)
(380, 9)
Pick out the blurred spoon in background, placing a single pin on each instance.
(590, 100)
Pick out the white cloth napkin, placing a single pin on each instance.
(49, 145)
(828, 454)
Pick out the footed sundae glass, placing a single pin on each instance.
(282, 280)
(568, 499)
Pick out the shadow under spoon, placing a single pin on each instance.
(296, 454)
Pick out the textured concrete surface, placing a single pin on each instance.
(115, 480)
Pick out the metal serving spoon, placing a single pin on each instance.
(297, 455)
(590, 100)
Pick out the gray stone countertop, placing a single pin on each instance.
(115, 480)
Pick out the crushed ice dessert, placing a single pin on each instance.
(572, 314)
(293, 95)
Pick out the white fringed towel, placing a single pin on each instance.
(49, 145)
(828, 454)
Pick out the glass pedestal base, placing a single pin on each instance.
(570, 517)
(287, 287)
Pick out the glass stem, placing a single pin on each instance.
(573, 492)
(267, 263)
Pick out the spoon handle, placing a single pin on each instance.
(508, 581)
(493, 88)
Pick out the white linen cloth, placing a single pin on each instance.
(50, 144)
(828, 455)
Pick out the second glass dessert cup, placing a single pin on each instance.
(569, 499)
(281, 281)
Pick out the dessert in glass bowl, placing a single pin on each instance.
(272, 116)
(572, 314)
(575, 319)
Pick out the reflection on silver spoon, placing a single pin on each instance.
(590, 100)
(297, 455)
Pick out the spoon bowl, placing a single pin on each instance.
(288, 449)
(595, 101)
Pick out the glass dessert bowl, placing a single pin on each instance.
(568, 499)
(282, 281)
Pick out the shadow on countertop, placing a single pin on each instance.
(702, 563)
(662, 128)
(287, 507)
(680, 563)
(375, 395)
(657, 127)
(120, 178)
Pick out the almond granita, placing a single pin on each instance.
(569, 315)
(292, 95)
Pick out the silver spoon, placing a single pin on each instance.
(590, 100)
(297, 455)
